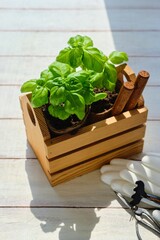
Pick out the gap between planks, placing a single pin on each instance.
(79, 8)
(65, 207)
(80, 30)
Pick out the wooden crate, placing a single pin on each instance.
(68, 156)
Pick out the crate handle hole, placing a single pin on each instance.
(30, 112)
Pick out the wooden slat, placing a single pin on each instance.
(83, 4)
(96, 149)
(49, 21)
(80, 224)
(9, 67)
(53, 4)
(97, 20)
(132, 4)
(94, 163)
(22, 68)
(50, 43)
(95, 132)
(14, 142)
(10, 96)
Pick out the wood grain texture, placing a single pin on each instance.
(70, 224)
(29, 207)
(50, 43)
(97, 20)
(72, 4)
(23, 68)
(52, 4)
(26, 184)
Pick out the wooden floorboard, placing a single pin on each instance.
(23, 68)
(32, 33)
(69, 224)
(97, 21)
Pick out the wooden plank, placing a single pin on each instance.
(53, 4)
(50, 21)
(8, 68)
(132, 4)
(69, 223)
(152, 138)
(14, 143)
(95, 149)
(94, 163)
(22, 68)
(23, 183)
(97, 20)
(83, 4)
(149, 64)
(95, 132)
(152, 97)
(10, 95)
(49, 44)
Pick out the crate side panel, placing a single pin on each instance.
(96, 132)
(42, 123)
(96, 149)
(33, 131)
(99, 161)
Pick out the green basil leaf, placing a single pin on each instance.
(97, 80)
(75, 104)
(100, 96)
(54, 82)
(80, 41)
(75, 81)
(29, 86)
(58, 95)
(60, 69)
(75, 57)
(118, 57)
(64, 56)
(81, 76)
(50, 84)
(87, 42)
(46, 74)
(39, 97)
(93, 59)
(76, 41)
(40, 82)
(58, 112)
(110, 77)
(88, 95)
(71, 56)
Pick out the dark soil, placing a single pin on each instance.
(58, 126)
(106, 103)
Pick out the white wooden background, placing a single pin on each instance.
(31, 33)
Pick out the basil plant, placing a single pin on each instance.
(81, 53)
(67, 86)
(65, 91)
